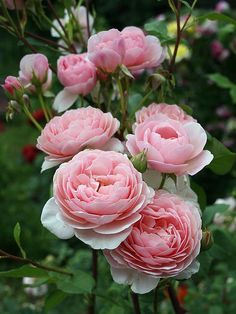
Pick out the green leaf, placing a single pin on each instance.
(223, 160)
(201, 195)
(55, 298)
(187, 109)
(221, 80)
(210, 211)
(25, 271)
(215, 309)
(186, 4)
(16, 233)
(233, 94)
(214, 16)
(80, 283)
(224, 240)
(158, 29)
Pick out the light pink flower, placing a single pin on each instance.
(163, 243)
(12, 84)
(141, 52)
(171, 111)
(78, 75)
(106, 50)
(15, 4)
(172, 146)
(218, 51)
(222, 6)
(34, 70)
(75, 130)
(97, 196)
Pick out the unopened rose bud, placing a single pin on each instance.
(13, 87)
(139, 161)
(35, 72)
(207, 240)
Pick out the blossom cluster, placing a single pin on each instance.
(148, 224)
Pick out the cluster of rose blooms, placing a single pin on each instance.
(147, 224)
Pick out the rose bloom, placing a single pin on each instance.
(141, 52)
(106, 50)
(66, 135)
(97, 197)
(171, 145)
(171, 111)
(34, 70)
(12, 84)
(15, 4)
(163, 243)
(78, 75)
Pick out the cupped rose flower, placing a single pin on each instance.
(106, 50)
(75, 130)
(12, 85)
(163, 243)
(15, 4)
(141, 52)
(34, 71)
(78, 75)
(171, 111)
(98, 196)
(171, 146)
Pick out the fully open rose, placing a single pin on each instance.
(98, 196)
(163, 243)
(171, 146)
(65, 136)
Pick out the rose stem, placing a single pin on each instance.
(135, 301)
(175, 302)
(30, 261)
(87, 18)
(155, 301)
(92, 305)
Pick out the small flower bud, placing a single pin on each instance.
(207, 240)
(139, 161)
(13, 87)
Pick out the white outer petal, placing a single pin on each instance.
(64, 100)
(114, 144)
(51, 162)
(50, 220)
(102, 241)
(140, 283)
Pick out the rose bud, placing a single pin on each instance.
(13, 87)
(34, 72)
(207, 240)
(140, 162)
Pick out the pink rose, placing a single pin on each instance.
(218, 51)
(141, 52)
(15, 4)
(12, 85)
(171, 111)
(106, 50)
(97, 197)
(163, 243)
(172, 146)
(78, 75)
(34, 71)
(222, 6)
(75, 130)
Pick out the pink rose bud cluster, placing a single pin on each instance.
(66, 135)
(174, 141)
(106, 51)
(34, 72)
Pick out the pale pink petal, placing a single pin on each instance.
(64, 100)
(199, 162)
(114, 144)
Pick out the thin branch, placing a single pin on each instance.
(175, 302)
(87, 18)
(45, 40)
(92, 305)
(30, 261)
